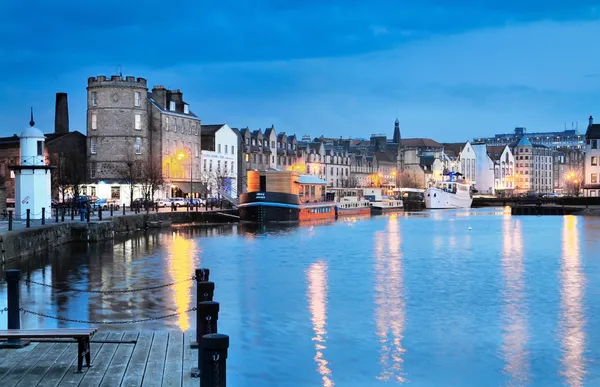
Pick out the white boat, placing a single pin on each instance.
(378, 207)
(449, 194)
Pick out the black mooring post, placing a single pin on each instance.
(205, 291)
(28, 219)
(124, 208)
(44, 215)
(62, 215)
(208, 316)
(111, 210)
(12, 297)
(56, 214)
(214, 360)
(10, 220)
(99, 212)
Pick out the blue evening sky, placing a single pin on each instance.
(449, 70)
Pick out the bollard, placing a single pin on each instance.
(207, 316)
(28, 220)
(10, 220)
(205, 291)
(214, 360)
(44, 214)
(202, 275)
(111, 210)
(62, 215)
(56, 214)
(123, 208)
(147, 209)
(72, 214)
(100, 213)
(87, 215)
(14, 318)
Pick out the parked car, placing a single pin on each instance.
(551, 195)
(105, 204)
(179, 202)
(163, 202)
(194, 201)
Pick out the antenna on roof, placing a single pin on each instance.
(32, 122)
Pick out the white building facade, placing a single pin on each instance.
(484, 170)
(219, 160)
(591, 169)
(468, 163)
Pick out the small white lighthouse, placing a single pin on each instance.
(32, 176)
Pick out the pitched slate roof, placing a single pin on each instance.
(210, 129)
(495, 151)
(593, 131)
(524, 141)
(421, 143)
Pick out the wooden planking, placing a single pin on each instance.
(93, 376)
(119, 362)
(156, 360)
(21, 368)
(134, 373)
(39, 370)
(16, 355)
(59, 368)
(46, 333)
(190, 360)
(71, 378)
(174, 361)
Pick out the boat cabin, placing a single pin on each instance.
(307, 188)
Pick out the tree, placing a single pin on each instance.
(408, 179)
(151, 178)
(350, 182)
(221, 179)
(130, 171)
(70, 172)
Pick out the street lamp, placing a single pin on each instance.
(180, 157)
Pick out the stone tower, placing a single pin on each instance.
(397, 138)
(117, 125)
(61, 115)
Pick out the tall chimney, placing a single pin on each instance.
(591, 120)
(61, 117)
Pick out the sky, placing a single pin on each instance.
(448, 70)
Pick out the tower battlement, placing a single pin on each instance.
(117, 80)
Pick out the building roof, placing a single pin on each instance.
(593, 131)
(385, 157)
(210, 129)
(495, 152)
(427, 160)
(309, 179)
(421, 143)
(453, 149)
(169, 112)
(524, 141)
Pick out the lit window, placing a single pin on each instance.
(138, 121)
(138, 145)
(93, 145)
(594, 160)
(186, 108)
(94, 122)
(137, 99)
(172, 106)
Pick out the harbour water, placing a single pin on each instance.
(440, 298)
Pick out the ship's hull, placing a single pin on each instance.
(439, 199)
(275, 207)
(378, 208)
(353, 211)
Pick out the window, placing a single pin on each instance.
(189, 127)
(167, 123)
(138, 122)
(225, 167)
(94, 98)
(40, 148)
(94, 122)
(594, 144)
(197, 150)
(594, 178)
(137, 99)
(219, 147)
(138, 145)
(210, 166)
(247, 157)
(594, 160)
(93, 191)
(225, 148)
(232, 150)
(167, 169)
(186, 108)
(138, 169)
(232, 167)
(92, 170)
(93, 145)
(204, 168)
(172, 106)
(167, 147)
(218, 166)
(115, 192)
(197, 129)
(272, 144)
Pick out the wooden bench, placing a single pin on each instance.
(82, 336)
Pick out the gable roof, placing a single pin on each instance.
(593, 131)
(495, 151)
(524, 141)
(210, 129)
(421, 143)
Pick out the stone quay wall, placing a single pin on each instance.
(20, 243)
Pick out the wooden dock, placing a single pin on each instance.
(158, 358)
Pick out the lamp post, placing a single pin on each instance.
(181, 156)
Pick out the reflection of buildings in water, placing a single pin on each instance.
(515, 335)
(181, 267)
(572, 316)
(390, 319)
(317, 297)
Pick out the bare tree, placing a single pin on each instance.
(221, 179)
(350, 182)
(70, 172)
(408, 179)
(151, 178)
(130, 171)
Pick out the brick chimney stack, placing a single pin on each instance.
(61, 115)
(591, 120)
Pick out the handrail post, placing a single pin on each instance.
(28, 219)
(10, 220)
(13, 277)
(99, 213)
(209, 315)
(44, 215)
(214, 360)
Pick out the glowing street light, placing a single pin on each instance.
(181, 155)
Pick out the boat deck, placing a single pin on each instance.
(159, 358)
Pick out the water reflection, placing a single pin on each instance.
(572, 315)
(514, 316)
(317, 296)
(181, 265)
(389, 301)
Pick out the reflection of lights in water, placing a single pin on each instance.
(317, 295)
(181, 267)
(515, 333)
(390, 319)
(507, 210)
(572, 321)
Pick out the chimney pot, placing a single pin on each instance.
(61, 115)
(591, 120)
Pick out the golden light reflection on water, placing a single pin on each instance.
(390, 319)
(317, 295)
(515, 335)
(572, 320)
(181, 267)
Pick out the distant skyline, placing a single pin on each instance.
(333, 68)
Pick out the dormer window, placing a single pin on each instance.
(186, 108)
(172, 106)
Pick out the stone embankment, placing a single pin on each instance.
(20, 243)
